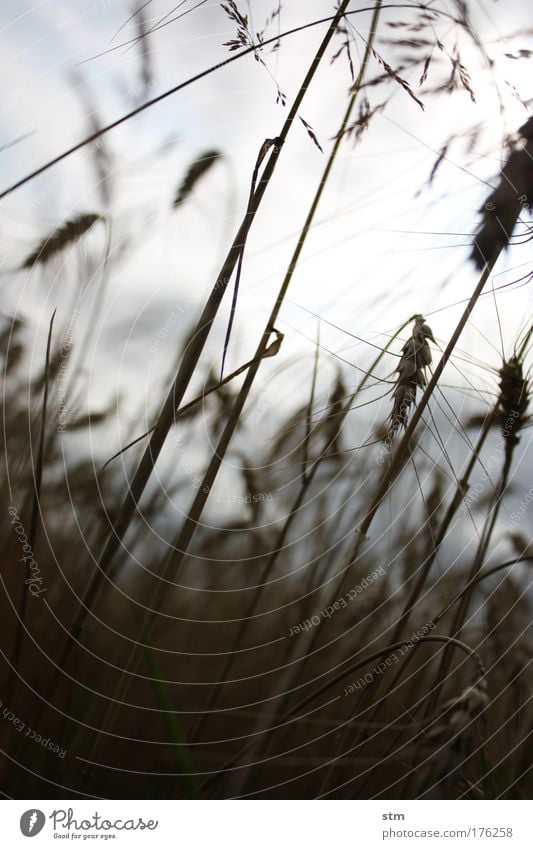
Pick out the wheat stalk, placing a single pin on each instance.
(61, 238)
(502, 208)
(415, 358)
(173, 90)
(34, 522)
(336, 679)
(511, 408)
(251, 375)
(513, 400)
(179, 386)
(194, 173)
(450, 736)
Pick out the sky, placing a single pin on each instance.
(384, 245)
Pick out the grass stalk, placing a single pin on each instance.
(34, 525)
(391, 472)
(303, 703)
(207, 72)
(475, 570)
(185, 372)
(271, 351)
(182, 542)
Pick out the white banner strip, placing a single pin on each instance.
(267, 824)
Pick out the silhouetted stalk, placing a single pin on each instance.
(271, 351)
(180, 546)
(466, 595)
(287, 715)
(208, 71)
(277, 548)
(393, 468)
(34, 526)
(310, 406)
(372, 690)
(188, 366)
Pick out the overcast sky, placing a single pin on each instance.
(381, 249)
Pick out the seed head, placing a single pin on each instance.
(416, 357)
(60, 238)
(513, 399)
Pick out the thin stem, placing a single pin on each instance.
(184, 375)
(460, 492)
(310, 406)
(34, 525)
(227, 61)
(403, 448)
(389, 649)
(475, 570)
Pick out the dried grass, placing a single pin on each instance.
(415, 359)
(194, 173)
(454, 734)
(513, 195)
(513, 400)
(231, 622)
(61, 238)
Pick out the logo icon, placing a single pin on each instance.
(32, 822)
